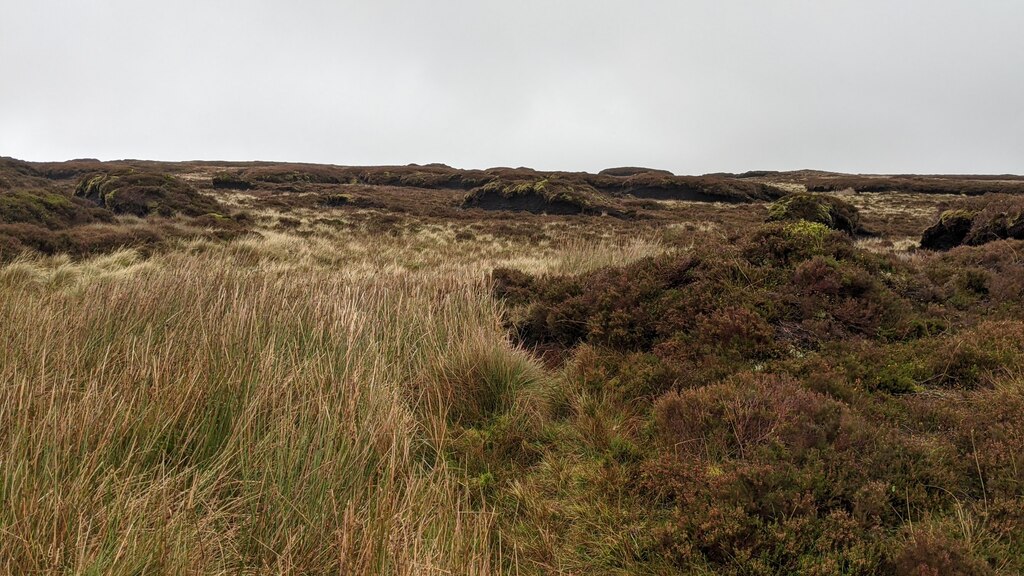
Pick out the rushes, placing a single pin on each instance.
(196, 416)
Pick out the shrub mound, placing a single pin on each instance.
(833, 212)
(792, 404)
(789, 283)
(546, 196)
(145, 193)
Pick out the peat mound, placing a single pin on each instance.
(965, 185)
(633, 171)
(977, 223)
(547, 196)
(949, 232)
(48, 209)
(145, 193)
(833, 212)
(697, 188)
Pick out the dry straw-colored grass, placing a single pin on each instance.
(264, 406)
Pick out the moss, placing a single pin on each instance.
(949, 217)
(805, 231)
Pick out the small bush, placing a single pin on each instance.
(336, 200)
(734, 419)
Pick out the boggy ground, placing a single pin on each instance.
(264, 368)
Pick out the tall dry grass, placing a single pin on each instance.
(275, 405)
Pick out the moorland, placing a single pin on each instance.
(266, 368)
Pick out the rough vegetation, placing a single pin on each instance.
(799, 405)
(345, 370)
(230, 181)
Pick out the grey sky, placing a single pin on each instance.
(689, 86)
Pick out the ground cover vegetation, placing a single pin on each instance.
(254, 368)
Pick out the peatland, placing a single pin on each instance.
(261, 368)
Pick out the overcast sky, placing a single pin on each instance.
(691, 86)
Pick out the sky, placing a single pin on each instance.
(691, 86)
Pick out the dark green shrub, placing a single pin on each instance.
(512, 286)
